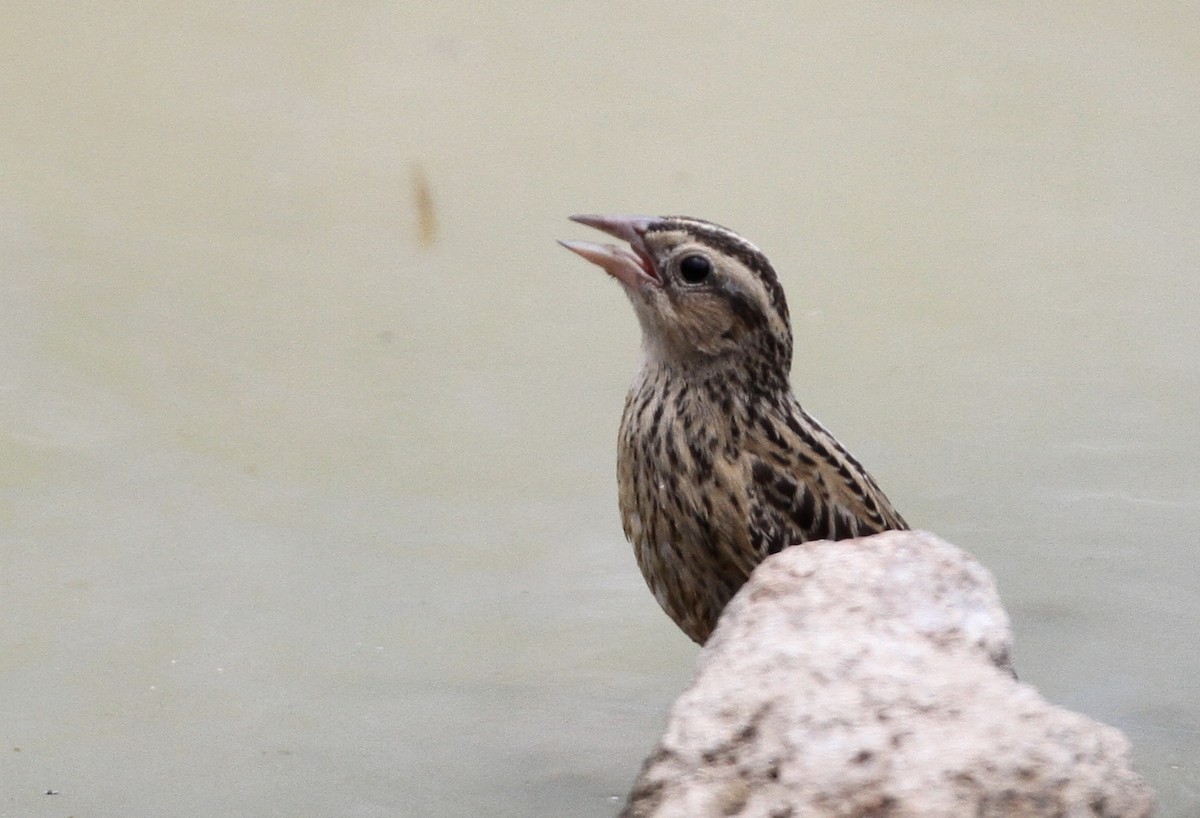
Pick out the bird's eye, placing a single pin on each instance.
(694, 269)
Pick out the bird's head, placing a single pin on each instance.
(701, 291)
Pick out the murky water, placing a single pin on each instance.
(308, 504)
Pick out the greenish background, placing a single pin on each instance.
(307, 425)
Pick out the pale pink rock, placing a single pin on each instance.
(871, 678)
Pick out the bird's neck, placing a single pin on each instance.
(713, 387)
(748, 376)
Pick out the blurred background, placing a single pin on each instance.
(307, 504)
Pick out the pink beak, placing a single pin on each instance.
(631, 265)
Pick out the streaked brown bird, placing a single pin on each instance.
(717, 465)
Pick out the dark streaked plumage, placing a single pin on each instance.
(717, 464)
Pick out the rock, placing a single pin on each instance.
(871, 677)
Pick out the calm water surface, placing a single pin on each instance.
(307, 503)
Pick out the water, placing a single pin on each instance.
(308, 505)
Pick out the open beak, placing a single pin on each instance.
(630, 265)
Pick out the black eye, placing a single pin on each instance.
(694, 269)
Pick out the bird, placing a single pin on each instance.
(718, 466)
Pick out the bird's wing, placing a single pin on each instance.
(802, 485)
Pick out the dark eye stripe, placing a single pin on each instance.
(744, 308)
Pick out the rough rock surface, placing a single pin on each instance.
(871, 677)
